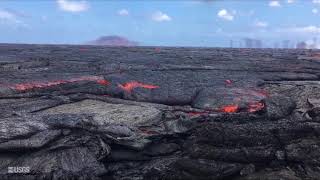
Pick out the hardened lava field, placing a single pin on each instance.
(93, 112)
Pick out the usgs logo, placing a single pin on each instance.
(23, 170)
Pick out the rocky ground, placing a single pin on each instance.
(89, 112)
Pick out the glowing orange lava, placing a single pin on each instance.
(129, 86)
(33, 85)
(103, 82)
(229, 108)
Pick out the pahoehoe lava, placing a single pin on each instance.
(159, 113)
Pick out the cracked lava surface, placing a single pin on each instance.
(87, 112)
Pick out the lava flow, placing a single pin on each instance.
(229, 108)
(129, 86)
(252, 107)
(32, 85)
(103, 82)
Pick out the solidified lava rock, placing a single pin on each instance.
(229, 99)
(279, 106)
(139, 113)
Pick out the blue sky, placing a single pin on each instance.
(159, 22)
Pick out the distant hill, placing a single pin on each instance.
(113, 41)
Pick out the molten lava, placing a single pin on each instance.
(252, 107)
(229, 108)
(33, 85)
(129, 86)
(103, 82)
(27, 86)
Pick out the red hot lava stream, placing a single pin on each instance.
(129, 86)
(252, 107)
(229, 108)
(32, 85)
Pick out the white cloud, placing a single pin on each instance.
(224, 14)
(160, 16)
(6, 15)
(73, 6)
(274, 4)
(123, 12)
(11, 18)
(290, 1)
(261, 24)
(306, 29)
(312, 44)
(316, 1)
(315, 11)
